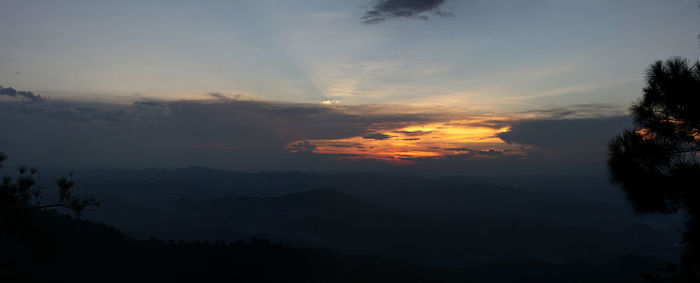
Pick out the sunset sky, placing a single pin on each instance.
(329, 84)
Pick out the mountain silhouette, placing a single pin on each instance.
(329, 218)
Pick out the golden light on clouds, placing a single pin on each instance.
(474, 138)
(330, 102)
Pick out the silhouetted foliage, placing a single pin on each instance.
(24, 193)
(21, 198)
(657, 163)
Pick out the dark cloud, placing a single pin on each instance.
(413, 133)
(489, 152)
(11, 92)
(561, 134)
(472, 152)
(146, 103)
(346, 145)
(494, 124)
(377, 136)
(383, 10)
(301, 146)
(87, 114)
(582, 141)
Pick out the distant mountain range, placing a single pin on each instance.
(453, 221)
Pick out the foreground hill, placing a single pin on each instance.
(66, 250)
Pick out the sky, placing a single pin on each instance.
(446, 86)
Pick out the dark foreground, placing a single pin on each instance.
(54, 248)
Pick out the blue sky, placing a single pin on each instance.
(497, 55)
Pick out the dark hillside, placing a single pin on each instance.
(83, 251)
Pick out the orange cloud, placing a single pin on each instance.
(475, 137)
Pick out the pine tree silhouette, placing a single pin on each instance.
(657, 163)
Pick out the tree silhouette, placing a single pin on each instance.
(25, 193)
(657, 163)
(21, 205)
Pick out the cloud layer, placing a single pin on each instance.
(262, 135)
